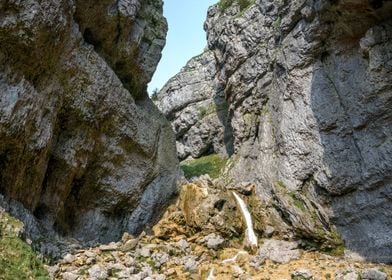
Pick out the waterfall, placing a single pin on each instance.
(250, 236)
(211, 274)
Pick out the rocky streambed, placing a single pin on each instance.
(201, 236)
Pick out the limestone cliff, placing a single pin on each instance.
(195, 108)
(82, 146)
(299, 94)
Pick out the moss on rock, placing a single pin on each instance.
(17, 259)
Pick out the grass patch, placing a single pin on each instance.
(17, 259)
(211, 165)
(338, 245)
(224, 4)
(336, 251)
(298, 203)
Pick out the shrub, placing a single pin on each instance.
(224, 4)
(211, 165)
(154, 95)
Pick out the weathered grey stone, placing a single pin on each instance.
(237, 271)
(90, 254)
(160, 258)
(307, 88)
(214, 241)
(279, 251)
(347, 275)
(124, 274)
(190, 263)
(112, 246)
(130, 244)
(52, 270)
(183, 244)
(129, 261)
(69, 258)
(301, 274)
(373, 274)
(82, 146)
(159, 277)
(144, 252)
(269, 231)
(69, 276)
(97, 272)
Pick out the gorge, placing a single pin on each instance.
(294, 96)
(298, 95)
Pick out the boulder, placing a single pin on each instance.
(279, 251)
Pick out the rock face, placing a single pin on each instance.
(308, 88)
(197, 113)
(82, 146)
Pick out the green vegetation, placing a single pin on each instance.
(250, 119)
(198, 55)
(204, 111)
(148, 260)
(17, 259)
(327, 241)
(211, 165)
(224, 4)
(297, 202)
(336, 251)
(154, 95)
(338, 246)
(276, 24)
(212, 109)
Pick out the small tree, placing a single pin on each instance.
(154, 95)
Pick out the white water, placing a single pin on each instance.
(251, 239)
(233, 259)
(211, 274)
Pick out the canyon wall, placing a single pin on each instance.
(83, 149)
(299, 95)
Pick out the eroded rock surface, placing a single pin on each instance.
(197, 113)
(308, 91)
(82, 146)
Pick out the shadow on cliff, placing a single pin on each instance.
(353, 117)
(222, 111)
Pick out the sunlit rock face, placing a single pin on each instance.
(196, 109)
(82, 146)
(308, 93)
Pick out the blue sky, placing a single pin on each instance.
(185, 39)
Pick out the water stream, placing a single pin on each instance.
(250, 236)
(233, 259)
(211, 274)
